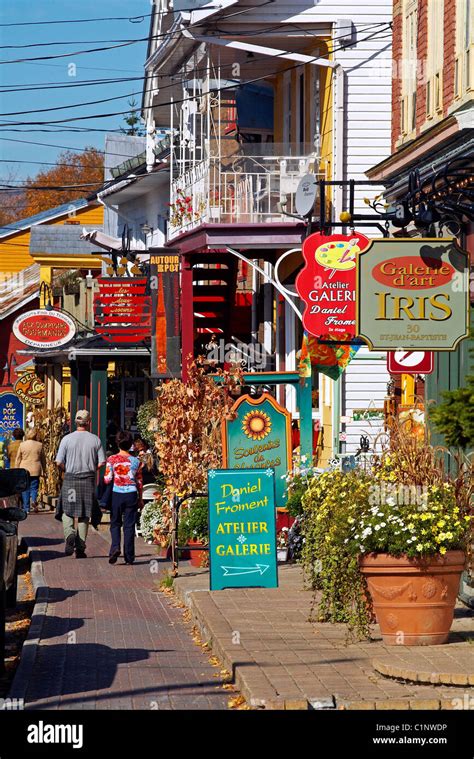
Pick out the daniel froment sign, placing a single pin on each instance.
(242, 528)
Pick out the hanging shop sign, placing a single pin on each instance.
(242, 528)
(327, 285)
(259, 436)
(413, 294)
(165, 311)
(410, 362)
(44, 329)
(12, 414)
(30, 389)
(122, 309)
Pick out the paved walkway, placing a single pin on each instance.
(100, 637)
(280, 660)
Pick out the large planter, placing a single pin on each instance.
(413, 598)
(197, 557)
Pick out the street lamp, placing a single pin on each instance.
(10, 363)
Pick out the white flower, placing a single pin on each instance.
(383, 524)
(377, 527)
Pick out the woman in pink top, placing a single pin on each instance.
(125, 472)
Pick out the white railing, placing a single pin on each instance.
(239, 189)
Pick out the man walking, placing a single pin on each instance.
(80, 455)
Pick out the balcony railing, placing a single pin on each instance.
(252, 186)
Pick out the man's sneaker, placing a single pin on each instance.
(80, 554)
(70, 543)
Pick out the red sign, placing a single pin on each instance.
(410, 362)
(413, 274)
(44, 329)
(122, 309)
(327, 284)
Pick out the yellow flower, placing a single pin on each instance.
(419, 547)
(442, 550)
(441, 523)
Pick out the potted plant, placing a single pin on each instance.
(155, 523)
(193, 529)
(282, 544)
(390, 539)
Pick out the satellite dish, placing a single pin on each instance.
(306, 193)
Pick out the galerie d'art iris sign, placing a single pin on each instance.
(258, 437)
(242, 528)
(327, 284)
(413, 294)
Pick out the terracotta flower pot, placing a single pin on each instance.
(413, 599)
(197, 557)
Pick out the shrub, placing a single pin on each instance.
(193, 523)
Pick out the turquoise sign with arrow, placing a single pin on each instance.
(242, 528)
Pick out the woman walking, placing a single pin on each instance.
(30, 456)
(125, 472)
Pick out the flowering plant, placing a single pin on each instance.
(411, 523)
(155, 520)
(282, 538)
(182, 209)
(297, 482)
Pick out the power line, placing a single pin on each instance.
(132, 19)
(61, 85)
(67, 122)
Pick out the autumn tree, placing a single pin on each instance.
(86, 168)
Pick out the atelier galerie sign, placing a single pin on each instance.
(327, 284)
(258, 437)
(242, 528)
(413, 294)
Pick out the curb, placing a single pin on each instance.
(29, 650)
(267, 697)
(456, 679)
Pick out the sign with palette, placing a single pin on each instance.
(327, 285)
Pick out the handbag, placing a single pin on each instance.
(105, 498)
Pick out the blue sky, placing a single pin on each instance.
(122, 62)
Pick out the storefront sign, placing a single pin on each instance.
(122, 309)
(413, 294)
(327, 284)
(12, 414)
(30, 389)
(165, 322)
(259, 437)
(410, 362)
(331, 359)
(242, 529)
(44, 329)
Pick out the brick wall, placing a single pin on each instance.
(422, 43)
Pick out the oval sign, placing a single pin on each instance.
(44, 329)
(413, 273)
(30, 389)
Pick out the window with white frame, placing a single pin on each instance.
(435, 58)
(409, 67)
(464, 65)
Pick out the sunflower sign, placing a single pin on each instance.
(258, 436)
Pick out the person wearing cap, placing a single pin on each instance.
(80, 455)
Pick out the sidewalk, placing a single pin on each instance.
(100, 638)
(280, 660)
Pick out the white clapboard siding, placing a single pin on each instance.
(365, 387)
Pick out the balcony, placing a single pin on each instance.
(253, 185)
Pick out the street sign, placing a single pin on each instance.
(413, 294)
(258, 436)
(410, 362)
(242, 528)
(122, 309)
(305, 196)
(327, 285)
